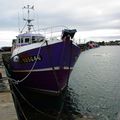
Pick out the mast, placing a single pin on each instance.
(28, 7)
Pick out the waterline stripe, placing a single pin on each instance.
(44, 69)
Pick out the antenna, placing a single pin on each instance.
(28, 7)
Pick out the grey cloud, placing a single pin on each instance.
(80, 14)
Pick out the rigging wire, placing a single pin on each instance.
(23, 27)
(18, 22)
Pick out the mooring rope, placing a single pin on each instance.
(19, 81)
(71, 51)
(50, 60)
(30, 104)
(16, 100)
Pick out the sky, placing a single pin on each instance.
(95, 20)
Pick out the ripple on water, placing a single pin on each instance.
(96, 84)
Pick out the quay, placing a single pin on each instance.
(7, 109)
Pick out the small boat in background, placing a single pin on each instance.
(92, 44)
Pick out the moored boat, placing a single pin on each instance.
(42, 64)
(39, 65)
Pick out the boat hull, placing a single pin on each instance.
(47, 68)
(34, 105)
(52, 81)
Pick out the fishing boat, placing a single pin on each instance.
(38, 68)
(41, 64)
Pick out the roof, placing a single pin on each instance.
(29, 35)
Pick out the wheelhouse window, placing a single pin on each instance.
(21, 40)
(33, 39)
(26, 40)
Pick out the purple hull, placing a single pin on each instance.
(46, 81)
(48, 70)
(40, 64)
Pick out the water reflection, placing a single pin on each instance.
(71, 110)
(96, 81)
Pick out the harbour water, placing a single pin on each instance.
(95, 83)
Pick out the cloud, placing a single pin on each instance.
(87, 15)
(6, 37)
